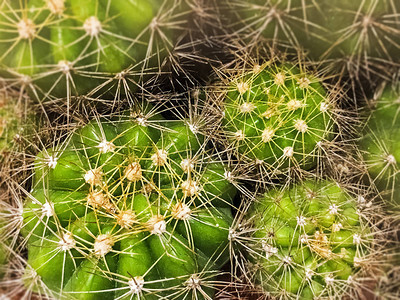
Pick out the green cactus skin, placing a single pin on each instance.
(278, 115)
(308, 240)
(127, 210)
(380, 143)
(359, 31)
(69, 47)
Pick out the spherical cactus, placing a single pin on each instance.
(129, 208)
(64, 48)
(358, 34)
(305, 241)
(278, 115)
(379, 143)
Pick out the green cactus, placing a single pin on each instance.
(379, 143)
(130, 208)
(278, 115)
(306, 241)
(64, 48)
(360, 33)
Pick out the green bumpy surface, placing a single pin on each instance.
(326, 29)
(278, 115)
(308, 239)
(69, 47)
(127, 210)
(380, 144)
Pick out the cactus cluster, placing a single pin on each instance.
(199, 149)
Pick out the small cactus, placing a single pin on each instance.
(278, 115)
(379, 143)
(134, 207)
(64, 48)
(305, 241)
(356, 36)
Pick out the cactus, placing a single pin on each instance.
(64, 48)
(305, 241)
(278, 115)
(358, 34)
(127, 208)
(379, 143)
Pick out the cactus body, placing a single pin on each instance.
(358, 34)
(278, 115)
(68, 47)
(127, 211)
(380, 144)
(308, 240)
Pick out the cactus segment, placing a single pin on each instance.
(379, 144)
(278, 115)
(67, 48)
(129, 208)
(308, 240)
(355, 36)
